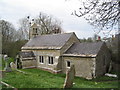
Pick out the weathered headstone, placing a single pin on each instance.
(18, 62)
(69, 77)
(13, 66)
(7, 68)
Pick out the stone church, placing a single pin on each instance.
(57, 52)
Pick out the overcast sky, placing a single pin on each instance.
(13, 10)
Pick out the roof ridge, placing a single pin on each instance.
(55, 34)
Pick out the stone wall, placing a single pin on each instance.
(29, 64)
(55, 67)
(84, 67)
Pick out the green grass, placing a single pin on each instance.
(37, 78)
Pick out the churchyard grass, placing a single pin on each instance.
(36, 78)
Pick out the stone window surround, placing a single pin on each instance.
(50, 60)
(68, 64)
(41, 59)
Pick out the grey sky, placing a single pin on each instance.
(13, 10)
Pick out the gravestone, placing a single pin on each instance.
(7, 67)
(18, 62)
(69, 77)
(13, 66)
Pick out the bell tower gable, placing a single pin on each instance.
(33, 31)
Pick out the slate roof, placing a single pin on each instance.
(51, 41)
(27, 54)
(84, 49)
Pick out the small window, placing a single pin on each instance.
(50, 60)
(33, 30)
(41, 59)
(36, 30)
(68, 63)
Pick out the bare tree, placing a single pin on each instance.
(24, 28)
(47, 25)
(103, 14)
(8, 31)
(10, 39)
(8, 35)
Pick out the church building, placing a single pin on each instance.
(57, 52)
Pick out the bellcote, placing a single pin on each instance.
(33, 32)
